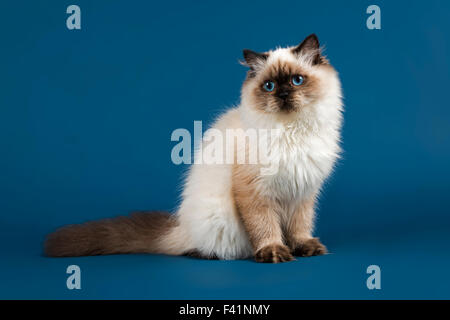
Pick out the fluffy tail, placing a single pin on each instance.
(146, 232)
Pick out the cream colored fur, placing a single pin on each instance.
(306, 150)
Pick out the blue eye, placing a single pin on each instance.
(297, 80)
(269, 86)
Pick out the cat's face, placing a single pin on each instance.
(286, 80)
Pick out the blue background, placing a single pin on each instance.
(86, 118)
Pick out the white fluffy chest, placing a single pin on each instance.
(303, 163)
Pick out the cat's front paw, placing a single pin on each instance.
(274, 253)
(310, 247)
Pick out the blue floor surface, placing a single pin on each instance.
(86, 124)
(412, 267)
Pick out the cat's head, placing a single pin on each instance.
(286, 80)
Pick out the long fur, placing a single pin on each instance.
(211, 219)
(137, 233)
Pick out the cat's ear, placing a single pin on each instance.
(254, 60)
(310, 48)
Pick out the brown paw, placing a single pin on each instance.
(274, 253)
(196, 254)
(311, 247)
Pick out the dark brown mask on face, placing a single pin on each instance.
(285, 85)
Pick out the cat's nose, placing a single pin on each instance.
(283, 94)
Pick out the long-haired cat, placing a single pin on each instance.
(234, 211)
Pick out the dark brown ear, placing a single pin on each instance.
(309, 46)
(254, 59)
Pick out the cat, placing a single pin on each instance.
(233, 211)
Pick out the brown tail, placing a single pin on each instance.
(137, 233)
